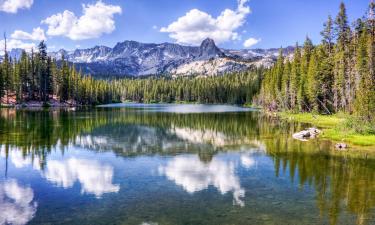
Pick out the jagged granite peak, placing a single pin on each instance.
(209, 50)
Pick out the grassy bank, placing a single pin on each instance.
(334, 127)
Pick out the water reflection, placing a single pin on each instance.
(180, 108)
(194, 175)
(18, 159)
(192, 150)
(201, 136)
(17, 205)
(94, 177)
(247, 161)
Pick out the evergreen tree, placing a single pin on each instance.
(295, 77)
(312, 81)
(2, 86)
(302, 88)
(341, 71)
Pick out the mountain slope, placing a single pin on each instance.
(131, 58)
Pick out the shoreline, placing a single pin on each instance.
(331, 126)
(41, 105)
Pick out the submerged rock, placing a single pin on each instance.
(341, 146)
(304, 135)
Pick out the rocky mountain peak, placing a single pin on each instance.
(132, 58)
(208, 50)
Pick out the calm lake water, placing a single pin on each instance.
(175, 164)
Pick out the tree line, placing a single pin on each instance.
(38, 77)
(236, 88)
(337, 75)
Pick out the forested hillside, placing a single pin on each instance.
(336, 75)
(38, 77)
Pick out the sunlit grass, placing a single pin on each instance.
(333, 127)
(354, 138)
(323, 121)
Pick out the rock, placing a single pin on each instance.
(341, 146)
(306, 134)
(314, 131)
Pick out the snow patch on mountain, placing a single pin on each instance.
(211, 67)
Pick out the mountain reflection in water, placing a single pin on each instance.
(232, 167)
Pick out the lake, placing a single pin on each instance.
(175, 164)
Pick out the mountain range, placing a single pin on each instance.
(131, 58)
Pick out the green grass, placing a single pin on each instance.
(334, 127)
(350, 137)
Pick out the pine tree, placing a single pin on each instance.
(325, 82)
(295, 77)
(312, 81)
(341, 71)
(44, 72)
(305, 60)
(6, 71)
(24, 71)
(285, 84)
(327, 34)
(2, 86)
(365, 96)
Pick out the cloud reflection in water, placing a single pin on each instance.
(16, 203)
(94, 177)
(194, 175)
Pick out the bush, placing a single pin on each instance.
(358, 125)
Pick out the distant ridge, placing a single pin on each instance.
(132, 58)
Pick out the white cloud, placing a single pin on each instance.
(201, 136)
(13, 43)
(94, 177)
(19, 160)
(196, 25)
(247, 161)
(96, 20)
(36, 35)
(17, 205)
(23, 40)
(194, 175)
(251, 42)
(12, 6)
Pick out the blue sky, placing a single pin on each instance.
(232, 23)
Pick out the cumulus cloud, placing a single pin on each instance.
(251, 42)
(94, 177)
(194, 175)
(36, 35)
(17, 205)
(12, 6)
(197, 25)
(13, 43)
(97, 19)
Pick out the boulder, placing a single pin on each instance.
(306, 134)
